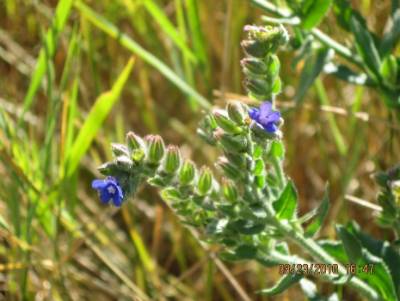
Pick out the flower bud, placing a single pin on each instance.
(236, 159)
(187, 173)
(228, 168)
(236, 112)
(254, 48)
(210, 122)
(155, 148)
(254, 66)
(259, 87)
(134, 141)
(232, 143)
(205, 181)
(206, 136)
(172, 159)
(261, 133)
(119, 149)
(108, 168)
(136, 146)
(225, 123)
(229, 190)
(124, 163)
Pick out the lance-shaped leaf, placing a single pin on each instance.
(321, 213)
(315, 13)
(372, 269)
(283, 284)
(313, 66)
(365, 46)
(381, 249)
(351, 244)
(286, 205)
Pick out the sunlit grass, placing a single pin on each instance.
(57, 118)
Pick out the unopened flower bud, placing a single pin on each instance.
(172, 159)
(225, 123)
(187, 173)
(108, 168)
(261, 133)
(236, 159)
(229, 190)
(259, 87)
(124, 163)
(134, 141)
(254, 48)
(228, 168)
(155, 148)
(232, 143)
(236, 112)
(254, 66)
(119, 149)
(136, 146)
(205, 181)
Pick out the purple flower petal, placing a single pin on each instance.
(254, 114)
(265, 108)
(271, 117)
(109, 189)
(270, 127)
(99, 184)
(105, 197)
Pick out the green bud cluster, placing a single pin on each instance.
(261, 66)
(389, 198)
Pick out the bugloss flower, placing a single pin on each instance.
(266, 117)
(109, 189)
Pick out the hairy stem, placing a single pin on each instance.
(319, 254)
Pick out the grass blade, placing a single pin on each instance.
(96, 117)
(131, 45)
(48, 50)
(168, 28)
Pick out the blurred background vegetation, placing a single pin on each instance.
(76, 76)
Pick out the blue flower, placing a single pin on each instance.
(266, 117)
(109, 189)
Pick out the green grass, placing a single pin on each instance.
(105, 67)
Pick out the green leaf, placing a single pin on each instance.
(321, 211)
(335, 249)
(365, 46)
(95, 119)
(392, 36)
(380, 277)
(381, 249)
(343, 72)
(134, 47)
(47, 52)
(277, 149)
(286, 205)
(351, 244)
(283, 284)
(313, 66)
(247, 227)
(167, 27)
(246, 252)
(315, 13)
(344, 12)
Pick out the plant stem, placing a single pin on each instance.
(319, 35)
(319, 254)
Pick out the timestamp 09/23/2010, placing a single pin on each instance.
(322, 268)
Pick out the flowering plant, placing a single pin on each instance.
(250, 206)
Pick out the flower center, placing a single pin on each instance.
(111, 189)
